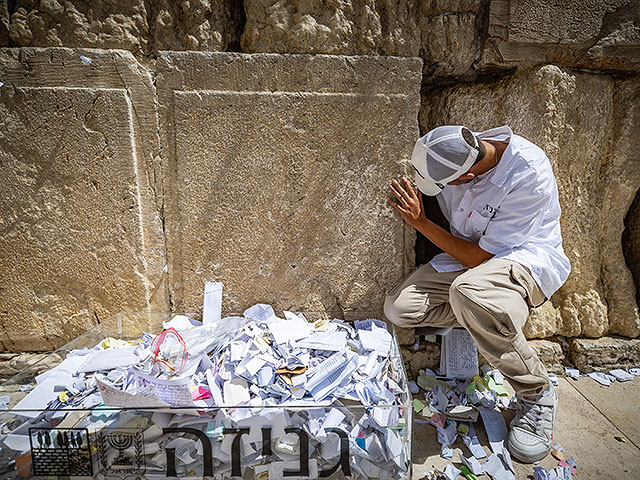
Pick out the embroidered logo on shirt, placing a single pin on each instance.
(490, 209)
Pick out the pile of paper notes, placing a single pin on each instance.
(284, 397)
(452, 406)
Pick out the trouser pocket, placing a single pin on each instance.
(520, 274)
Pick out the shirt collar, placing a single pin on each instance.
(500, 134)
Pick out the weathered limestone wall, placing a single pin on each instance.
(266, 172)
(564, 74)
(80, 219)
(142, 27)
(275, 171)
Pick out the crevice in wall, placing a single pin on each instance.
(631, 242)
(12, 6)
(239, 18)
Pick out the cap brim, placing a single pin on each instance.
(426, 186)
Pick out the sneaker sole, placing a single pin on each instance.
(524, 457)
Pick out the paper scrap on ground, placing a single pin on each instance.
(447, 436)
(459, 355)
(572, 372)
(494, 467)
(473, 444)
(602, 378)
(472, 464)
(451, 472)
(621, 375)
(540, 473)
(496, 429)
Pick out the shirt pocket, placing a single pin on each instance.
(477, 222)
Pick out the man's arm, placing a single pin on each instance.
(466, 252)
(411, 209)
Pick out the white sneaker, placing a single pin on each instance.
(531, 435)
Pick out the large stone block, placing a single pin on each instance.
(197, 25)
(597, 34)
(444, 33)
(276, 173)
(80, 229)
(584, 124)
(604, 354)
(549, 353)
(140, 26)
(80, 23)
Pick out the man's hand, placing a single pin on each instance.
(409, 205)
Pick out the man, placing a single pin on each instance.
(503, 257)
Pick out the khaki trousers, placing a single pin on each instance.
(492, 301)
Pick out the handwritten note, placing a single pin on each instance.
(113, 397)
(176, 393)
(459, 355)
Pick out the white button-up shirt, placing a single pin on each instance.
(511, 211)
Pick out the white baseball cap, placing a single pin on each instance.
(442, 155)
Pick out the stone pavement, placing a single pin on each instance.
(598, 426)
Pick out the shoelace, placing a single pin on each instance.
(530, 415)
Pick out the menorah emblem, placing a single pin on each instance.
(121, 442)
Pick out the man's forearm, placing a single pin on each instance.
(469, 253)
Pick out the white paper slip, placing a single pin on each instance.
(236, 392)
(39, 397)
(376, 339)
(330, 341)
(473, 444)
(602, 378)
(212, 303)
(496, 469)
(459, 355)
(621, 375)
(286, 330)
(260, 312)
(109, 359)
(472, 464)
(71, 364)
(174, 392)
(181, 322)
(496, 429)
(113, 397)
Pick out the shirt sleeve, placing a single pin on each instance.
(517, 219)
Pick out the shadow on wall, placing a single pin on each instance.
(631, 242)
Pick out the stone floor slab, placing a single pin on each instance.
(618, 403)
(584, 432)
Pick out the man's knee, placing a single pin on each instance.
(461, 297)
(458, 290)
(396, 313)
